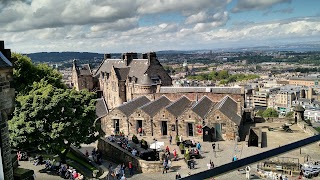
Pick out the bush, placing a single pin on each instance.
(135, 139)
(144, 144)
(187, 157)
(181, 147)
(177, 138)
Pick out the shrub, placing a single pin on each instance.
(187, 157)
(177, 138)
(144, 144)
(135, 139)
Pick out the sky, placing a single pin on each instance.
(110, 26)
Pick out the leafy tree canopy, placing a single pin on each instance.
(270, 112)
(26, 73)
(49, 118)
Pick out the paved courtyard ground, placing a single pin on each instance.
(222, 156)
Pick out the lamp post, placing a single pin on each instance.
(155, 143)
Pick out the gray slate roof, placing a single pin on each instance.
(228, 107)
(203, 106)
(4, 62)
(155, 106)
(217, 90)
(84, 70)
(179, 106)
(129, 107)
(101, 108)
(122, 73)
(137, 67)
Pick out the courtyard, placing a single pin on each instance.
(225, 150)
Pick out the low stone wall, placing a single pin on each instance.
(112, 152)
(307, 129)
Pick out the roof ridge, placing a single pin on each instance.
(176, 101)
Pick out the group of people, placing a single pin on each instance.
(69, 173)
(210, 165)
(95, 154)
(119, 171)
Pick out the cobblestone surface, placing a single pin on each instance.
(222, 156)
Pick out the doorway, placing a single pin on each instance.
(116, 126)
(138, 125)
(164, 128)
(190, 129)
(218, 134)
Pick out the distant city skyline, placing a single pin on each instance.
(105, 26)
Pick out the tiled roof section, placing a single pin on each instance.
(203, 106)
(179, 106)
(138, 67)
(229, 108)
(84, 70)
(155, 106)
(305, 78)
(217, 90)
(4, 62)
(101, 108)
(122, 73)
(129, 107)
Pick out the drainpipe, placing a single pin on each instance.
(151, 126)
(128, 124)
(177, 126)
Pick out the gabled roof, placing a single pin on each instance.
(129, 107)
(229, 107)
(101, 108)
(4, 62)
(155, 106)
(179, 106)
(122, 73)
(84, 70)
(137, 67)
(217, 90)
(203, 106)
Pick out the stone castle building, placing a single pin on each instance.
(7, 95)
(137, 92)
(120, 80)
(183, 116)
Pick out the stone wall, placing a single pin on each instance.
(107, 122)
(7, 95)
(307, 129)
(112, 152)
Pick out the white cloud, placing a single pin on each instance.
(245, 5)
(115, 26)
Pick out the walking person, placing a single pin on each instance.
(199, 147)
(178, 176)
(170, 139)
(130, 168)
(123, 168)
(248, 169)
(175, 154)
(165, 164)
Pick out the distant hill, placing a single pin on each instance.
(63, 56)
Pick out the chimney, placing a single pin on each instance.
(152, 57)
(128, 57)
(1, 45)
(239, 107)
(107, 56)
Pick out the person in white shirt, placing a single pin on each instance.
(248, 172)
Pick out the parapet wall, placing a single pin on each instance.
(307, 129)
(112, 152)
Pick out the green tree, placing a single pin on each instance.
(289, 114)
(259, 113)
(270, 112)
(26, 73)
(223, 74)
(52, 119)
